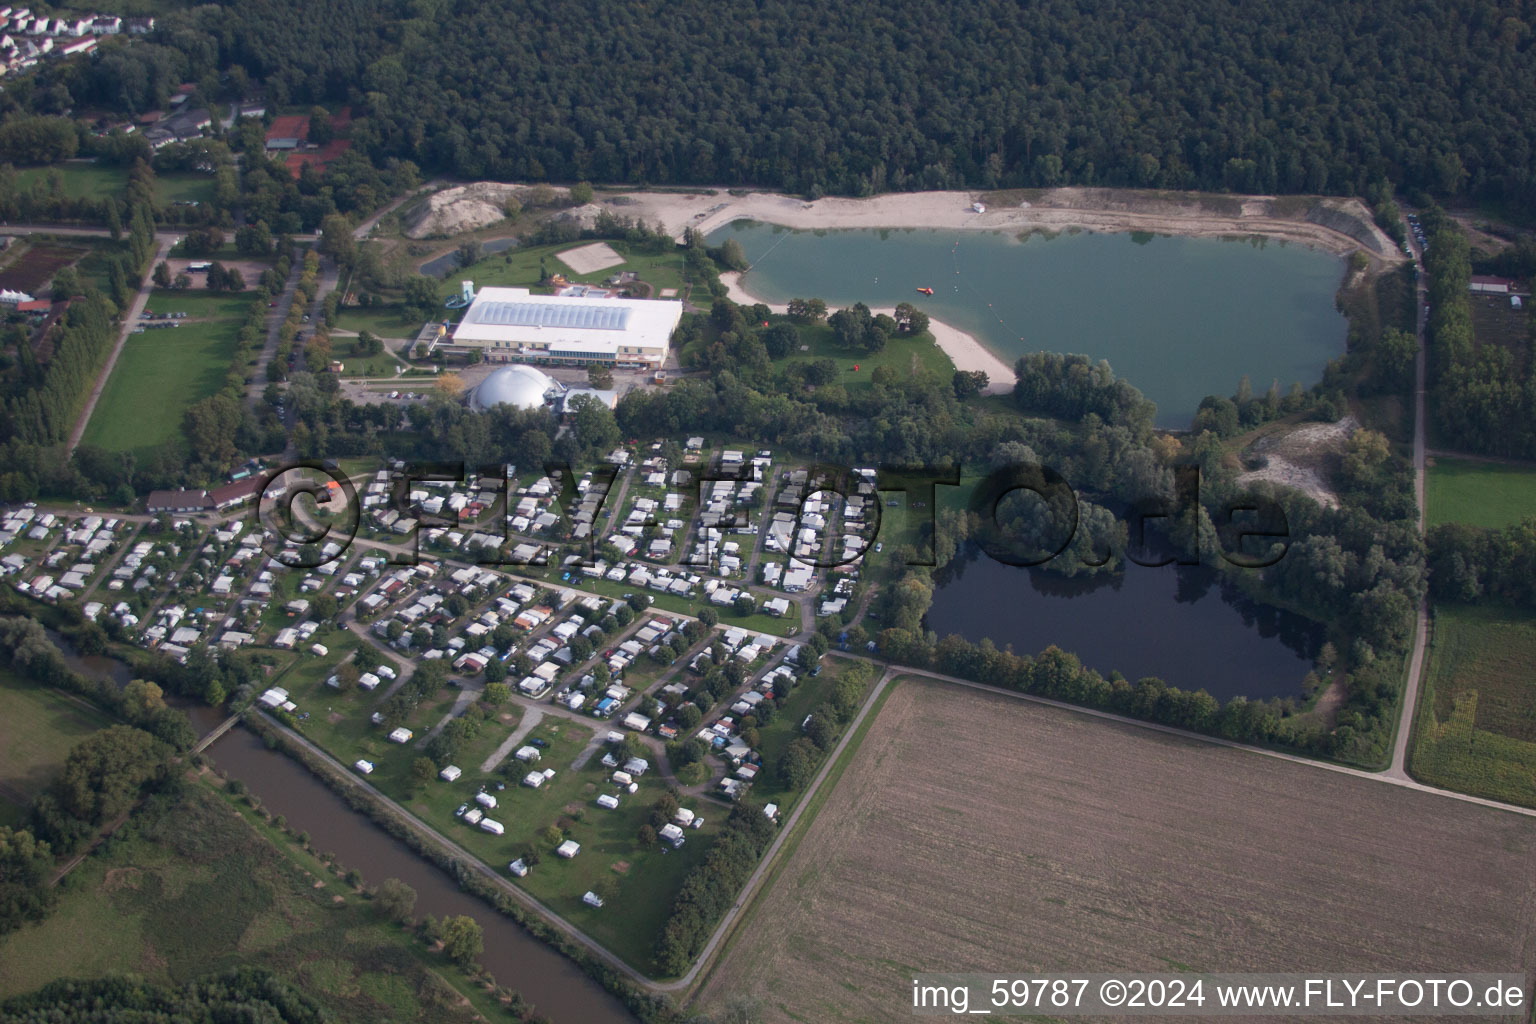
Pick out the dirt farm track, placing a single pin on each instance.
(1094, 846)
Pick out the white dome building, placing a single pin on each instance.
(523, 387)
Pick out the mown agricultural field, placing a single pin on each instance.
(1093, 846)
(1487, 494)
(188, 888)
(38, 726)
(164, 372)
(1476, 731)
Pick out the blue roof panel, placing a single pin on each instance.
(594, 317)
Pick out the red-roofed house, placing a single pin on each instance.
(238, 493)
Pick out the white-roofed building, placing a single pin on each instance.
(513, 325)
(522, 387)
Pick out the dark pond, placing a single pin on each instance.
(1183, 625)
(448, 262)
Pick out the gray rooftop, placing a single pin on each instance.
(549, 314)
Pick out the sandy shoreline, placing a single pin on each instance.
(1337, 226)
(963, 349)
(1334, 225)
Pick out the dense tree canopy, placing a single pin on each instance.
(244, 995)
(877, 95)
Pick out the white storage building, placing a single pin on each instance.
(513, 325)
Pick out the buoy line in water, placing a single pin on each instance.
(954, 254)
(755, 263)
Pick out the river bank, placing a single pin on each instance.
(963, 349)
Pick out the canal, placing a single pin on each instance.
(559, 989)
(1180, 318)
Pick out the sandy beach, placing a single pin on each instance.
(1334, 225)
(962, 348)
(1338, 226)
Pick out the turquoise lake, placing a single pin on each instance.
(1180, 318)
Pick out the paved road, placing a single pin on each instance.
(361, 231)
(130, 321)
(104, 571)
(532, 716)
(1399, 767)
(167, 234)
(461, 704)
(275, 319)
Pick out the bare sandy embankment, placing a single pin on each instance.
(1339, 226)
(962, 348)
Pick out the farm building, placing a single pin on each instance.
(513, 325)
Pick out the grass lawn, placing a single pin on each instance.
(191, 887)
(1479, 493)
(383, 321)
(101, 181)
(789, 625)
(81, 180)
(185, 187)
(519, 267)
(904, 355)
(38, 726)
(1476, 728)
(161, 373)
(647, 879)
(95, 266)
(381, 365)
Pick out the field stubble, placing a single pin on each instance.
(1060, 843)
